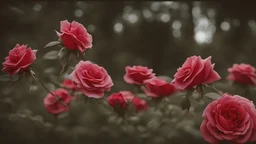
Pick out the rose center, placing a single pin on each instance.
(232, 117)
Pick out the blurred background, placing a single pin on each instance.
(160, 35)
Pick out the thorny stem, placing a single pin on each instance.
(246, 93)
(126, 122)
(37, 80)
(137, 88)
(104, 105)
(214, 88)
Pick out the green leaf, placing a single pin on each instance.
(5, 78)
(213, 96)
(29, 78)
(166, 78)
(64, 69)
(200, 90)
(8, 78)
(62, 53)
(53, 43)
(33, 88)
(51, 55)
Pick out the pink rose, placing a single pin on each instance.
(53, 105)
(117, 100)
(230, 118)
(242, 73)
(91, 79)
(74, 36)
(137, 74)
(19, 60)
(156, 87)
(139, 104)
(68, 83)
(195, 71)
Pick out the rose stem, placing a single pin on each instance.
(214, 88)
(247, 92)
(104, 105)
(37, 80)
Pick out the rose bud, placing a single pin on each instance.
(116, 100)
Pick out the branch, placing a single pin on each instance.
(41, 83)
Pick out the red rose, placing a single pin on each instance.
(242, 73)
(156, 87)
(123, 97)
(195, 71)
(19, 60)
(91, 79)
(230, 118)
(128, 96)
(117, 100)
(139, 104)
(53, 105)
(137, 74)
(68, 83)
(74, 36)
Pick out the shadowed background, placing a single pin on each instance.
(160, 35)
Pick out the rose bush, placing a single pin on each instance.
(53, 105)
(195, 71)
(91, 79)
(230, 118)
(242, 73)
(19, 60)
(74, 36)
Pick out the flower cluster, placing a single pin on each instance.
(228, 118)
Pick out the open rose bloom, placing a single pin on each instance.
(195, 71)
(242, 73)
(230, 118)
(19, 60)
(156, 87)
(137, 74)
(91, 79)
(74, 36)
(54, 106)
